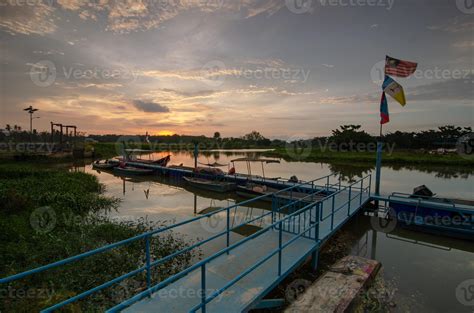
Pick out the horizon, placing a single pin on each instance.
(204, 66)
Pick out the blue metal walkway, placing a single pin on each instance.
(243, 270)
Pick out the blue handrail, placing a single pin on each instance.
(202, 263)
(145, 236)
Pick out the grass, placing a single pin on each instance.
(396, 157)
(50, 214)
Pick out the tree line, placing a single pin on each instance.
(442, 137)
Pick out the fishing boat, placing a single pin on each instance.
(131, 170)
(251, 190)
(423, 211)
(209, 184)
(105, 164)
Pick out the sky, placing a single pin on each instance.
(286, 68)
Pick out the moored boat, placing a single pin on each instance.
(422, 211)
(105, 164)
(130, 170)
(212, 185)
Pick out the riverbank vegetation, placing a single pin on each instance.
(50, 214)
(447, 145)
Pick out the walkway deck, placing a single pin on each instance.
(222, 270)
(240, 274)
(185, 293)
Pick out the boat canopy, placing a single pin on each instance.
(255, 160)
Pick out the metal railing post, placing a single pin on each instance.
(148, 262)
(316, 224)
(370, 184)
(228, 229)
(332, 212)
(279, 249)
(327, 183)
(350, 200)
(361, 190)
(339, 182)
(203, 288)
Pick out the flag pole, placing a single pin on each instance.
(378, 163)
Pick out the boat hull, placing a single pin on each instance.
(210, 185)
(438, 221)
(132, 171)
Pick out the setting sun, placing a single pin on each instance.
(165, 133)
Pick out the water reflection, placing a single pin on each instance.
(413, 259)
(416, 264)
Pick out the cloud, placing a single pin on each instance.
(453, 89)
(123, 16)
(150, 107)
(464, 44)
(27, 19)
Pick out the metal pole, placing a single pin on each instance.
(378, 163)
(196, 151)
(148, 261)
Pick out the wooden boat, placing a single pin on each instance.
(212, 185)
(105, 164)
(130, 170)
(255, 190)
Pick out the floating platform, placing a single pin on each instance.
(337, 288)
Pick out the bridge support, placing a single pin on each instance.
(269, 303)
(315, 259)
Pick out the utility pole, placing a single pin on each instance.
(30, 111)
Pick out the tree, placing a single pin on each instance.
(217, 135)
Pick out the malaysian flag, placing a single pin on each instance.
(399, 68)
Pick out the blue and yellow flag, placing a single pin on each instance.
(394, 89)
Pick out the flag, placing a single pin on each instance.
(394, 89)
(384, 117)
(399, 68)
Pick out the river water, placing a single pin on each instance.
(423, 271)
